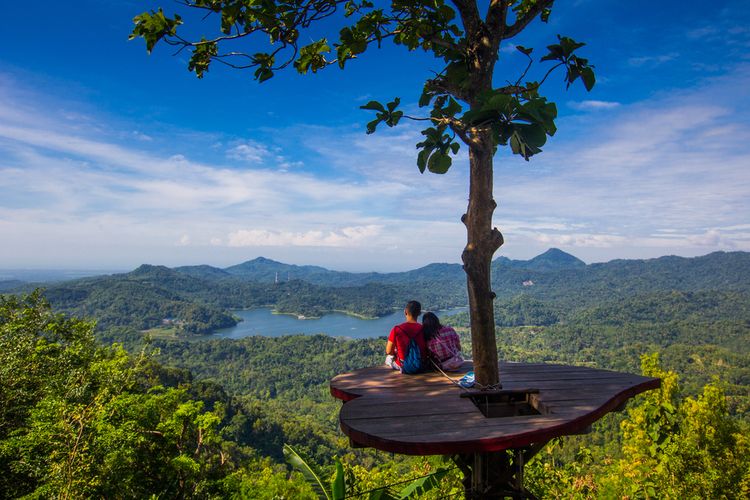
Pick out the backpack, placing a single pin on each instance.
(412, 362)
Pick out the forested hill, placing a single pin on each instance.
(593, 283)
(270, 271)
(542, 290)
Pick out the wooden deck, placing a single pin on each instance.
(426, 415)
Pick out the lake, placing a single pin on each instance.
(264, 323)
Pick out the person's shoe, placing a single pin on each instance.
(467, 380)
(389, 362)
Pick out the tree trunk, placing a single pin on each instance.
(482, 242)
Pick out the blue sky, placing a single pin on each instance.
(110, 158)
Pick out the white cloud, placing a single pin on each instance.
(669, 173)
(141, 136)
(593, 105)
(652, 61)
(703, 32)
(711, 238)
(580, 240)
(345, 237)
(248, 151)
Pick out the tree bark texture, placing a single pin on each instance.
(482, 242)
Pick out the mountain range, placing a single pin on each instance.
(263, 270)
(543, 289)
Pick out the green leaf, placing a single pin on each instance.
(555, 53)
(588, 77)
(422, 158)
(263, 74)
(569, 45)
(439, 163)
(201, 57)
(296, 461)
(524, 50)
(425, 98)
(515, 144)
(372, 125)
(533, 135)
(381, 494)
(373, 105)
(394, 118)
(423, 485)
(475, 117)
(311, 57)
(153, 27)
(338, 486)
(452, 108)
(498, 102)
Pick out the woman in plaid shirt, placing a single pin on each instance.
(443, 344)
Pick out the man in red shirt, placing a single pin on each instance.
(397, 346)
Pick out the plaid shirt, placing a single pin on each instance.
(444, 344)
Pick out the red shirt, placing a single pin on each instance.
(401, 340)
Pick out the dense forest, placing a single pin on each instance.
(108, 411)
(199, 299)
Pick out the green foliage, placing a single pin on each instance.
(672, 447)
(153, 27)
(309, 472)
(264, 480)
(78, 420)
(435, 150)
(564, 291)
(72, 412)
(384, 114)
(359, 482)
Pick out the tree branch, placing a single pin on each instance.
(469, 13)
(523, 21)
(460, 131)
(496, 16)
(518, 89)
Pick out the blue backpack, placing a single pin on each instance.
(412, 362)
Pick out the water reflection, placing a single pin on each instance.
(263, 322)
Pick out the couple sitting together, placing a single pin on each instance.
(411, 345)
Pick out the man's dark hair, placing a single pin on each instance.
(414, 308)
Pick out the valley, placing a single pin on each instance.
(686, 320)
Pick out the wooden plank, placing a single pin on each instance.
(408, 427)
(404, 410)
(473, 433)
(424, 414)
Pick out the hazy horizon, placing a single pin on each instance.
(9, 273)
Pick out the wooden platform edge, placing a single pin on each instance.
(491, 444)
(342, 395)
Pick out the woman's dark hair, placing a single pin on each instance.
(414, 308)
(430, 325)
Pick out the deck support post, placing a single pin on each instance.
(496, 474)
